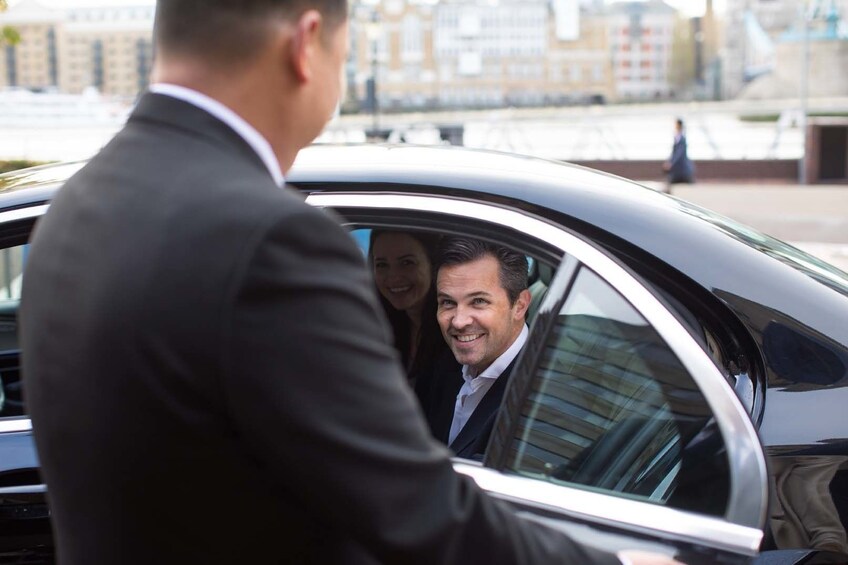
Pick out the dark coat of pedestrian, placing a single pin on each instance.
(679, 168)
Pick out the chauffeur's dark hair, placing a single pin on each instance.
(513, 265)
(231, 30)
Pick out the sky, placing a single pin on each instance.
(689, 7)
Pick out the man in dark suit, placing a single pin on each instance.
(206, 366)
(678, 168)
(482, 303)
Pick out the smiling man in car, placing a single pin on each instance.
(482, 303)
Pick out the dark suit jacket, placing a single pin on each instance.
(446, 382)
(210, 377)
(681, 168)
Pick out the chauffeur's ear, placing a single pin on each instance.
(522, 303)
(305, 43)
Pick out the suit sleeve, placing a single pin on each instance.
(320, 400)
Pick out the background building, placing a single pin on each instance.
(754, 28)
(478, 53)
(108, 48)
(392, 47)
(641, 37)
(33, 62)
(826, 39)
(432, 54)
(580, 68)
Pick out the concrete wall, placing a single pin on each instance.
(827, 150)
(730, 170)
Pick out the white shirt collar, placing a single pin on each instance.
(247, 132)
(474, 389)
(500, 364)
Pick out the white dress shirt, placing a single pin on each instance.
(236, 122)
(475, 388)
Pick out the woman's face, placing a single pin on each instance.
(401, 270)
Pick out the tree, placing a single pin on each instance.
(682, 68)
(8, 34)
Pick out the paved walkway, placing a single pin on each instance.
(814, 218)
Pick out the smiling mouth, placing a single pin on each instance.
(467, 338)
(399, 289)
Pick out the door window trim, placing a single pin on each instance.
(651, 519)
(27, 213)
(18, 424)
(748, 476)
(15, 424)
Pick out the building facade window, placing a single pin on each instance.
(11, 66)
(97, 66)
(412, 37)
(576, 73)
(597, 73)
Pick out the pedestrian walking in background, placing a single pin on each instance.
(678, 168)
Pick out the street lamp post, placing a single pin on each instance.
(805, 63)
(373, 32)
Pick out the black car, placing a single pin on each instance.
(684, 387)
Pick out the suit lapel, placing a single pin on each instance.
(444, 415)
(483, 415)
(448, 381)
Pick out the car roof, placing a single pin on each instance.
(747, 270)
(549, 188)
(734, 262)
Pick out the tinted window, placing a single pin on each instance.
(12, 260)
(613, 409)
(11, 266)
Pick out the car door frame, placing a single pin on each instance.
(20, 424)
(26, 533)
(739, 531)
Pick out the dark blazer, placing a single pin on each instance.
(446, 382)
(681, 168)
(210, 377)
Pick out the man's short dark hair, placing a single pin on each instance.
(513, 265)
(230, 30)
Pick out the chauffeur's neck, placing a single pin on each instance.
(248, 91)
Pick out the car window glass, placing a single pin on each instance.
(612, 409)
(12, 260)
(11, 267)
(362, 237)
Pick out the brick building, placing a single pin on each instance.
(479, 53)
(641, 38)
(108, 48)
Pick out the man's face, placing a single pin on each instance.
(474, 313)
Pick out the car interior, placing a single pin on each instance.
(11, 267)
(611, 408)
